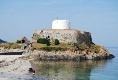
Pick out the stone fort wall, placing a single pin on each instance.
(64, 36)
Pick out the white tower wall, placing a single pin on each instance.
(60, 24)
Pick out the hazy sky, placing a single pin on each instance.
(21, 17)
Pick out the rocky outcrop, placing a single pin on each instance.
(72, 55)
(74, 36)
(103, 54)
(64, 36)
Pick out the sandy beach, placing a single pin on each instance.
(14, 67)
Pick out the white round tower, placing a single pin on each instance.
(60, 24)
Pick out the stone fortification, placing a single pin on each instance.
(64, 36)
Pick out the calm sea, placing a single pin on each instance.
(85, 70)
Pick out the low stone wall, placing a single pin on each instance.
(11, 53)
(64, 36)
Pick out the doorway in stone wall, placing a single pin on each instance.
(23, 41)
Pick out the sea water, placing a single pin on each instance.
(109, 70)
(83, 70)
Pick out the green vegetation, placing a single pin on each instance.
(48, 43)
(12, 45)
(43, 41)
(6, 47)
(70, 43)
(82, 46)
(73, 44)
(56, 42)
(16, 46)
(37, 46)
(95, 48)
(42, 44)
(18, 41)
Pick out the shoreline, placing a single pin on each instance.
(14, 67)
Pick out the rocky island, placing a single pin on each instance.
(72, 44)
(61, 43)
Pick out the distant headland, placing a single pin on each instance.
(2, 41)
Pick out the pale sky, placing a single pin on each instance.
(22, 17)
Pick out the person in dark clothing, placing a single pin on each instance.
(30, 69)
(33, 70)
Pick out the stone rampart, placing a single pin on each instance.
(64, 36)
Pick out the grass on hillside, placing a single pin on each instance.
(64, 46)
(11, 45)
(37, 46)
